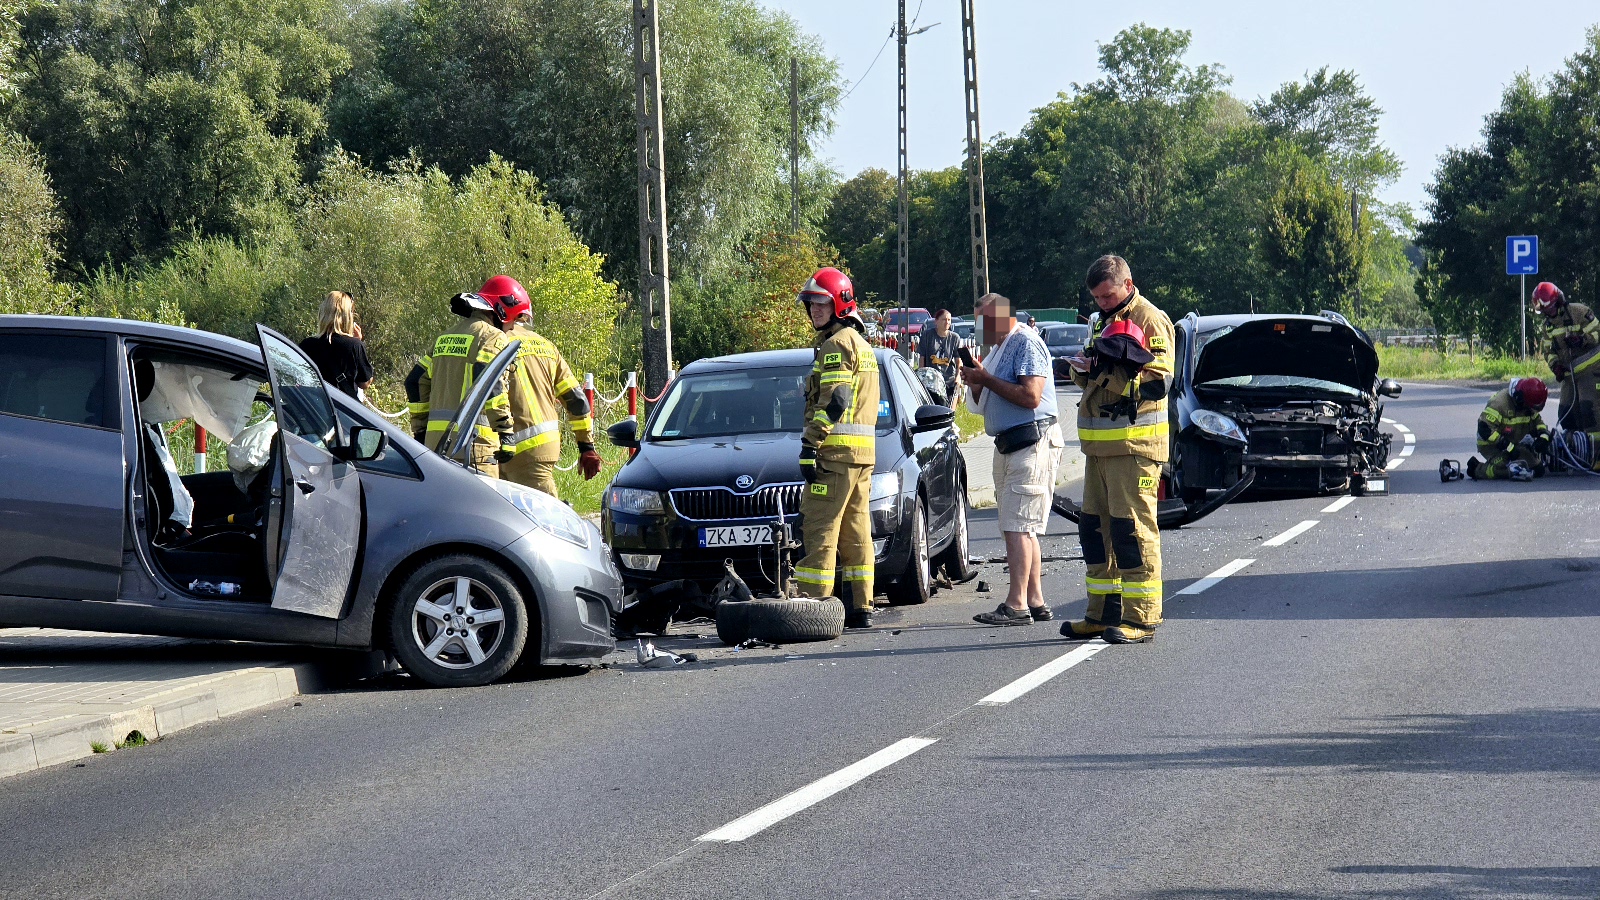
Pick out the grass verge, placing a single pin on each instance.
(1422, 364)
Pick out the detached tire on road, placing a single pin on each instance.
(458, 621)
(780, 621)
(732, 623)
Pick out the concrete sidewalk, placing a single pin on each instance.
(67, 694)
(979, 454)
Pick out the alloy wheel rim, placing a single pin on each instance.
(458, 622)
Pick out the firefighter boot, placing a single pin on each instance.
(1129, 633)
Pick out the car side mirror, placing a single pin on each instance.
(1389, 387)
(932, 417)
(366, 444)
(624, 434)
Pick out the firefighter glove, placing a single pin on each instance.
(589, 460)
(506, 452)
(1559, 371)
(1541, 445)
(1127, 406)
(808, 463)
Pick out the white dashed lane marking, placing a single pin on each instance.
(1215, 578)
(1291, 534)
(817, 791)
(1042, 674)
(1339, 504)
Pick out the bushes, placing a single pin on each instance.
(29, 221)
(403, 242)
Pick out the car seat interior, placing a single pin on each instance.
(227, 537)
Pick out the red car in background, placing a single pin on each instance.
(898, 321)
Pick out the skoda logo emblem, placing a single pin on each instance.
(744, 481)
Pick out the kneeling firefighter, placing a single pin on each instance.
(838, 449)
(1511, 434)
(542, 385)
(441, 379)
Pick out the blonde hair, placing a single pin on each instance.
(338, 314)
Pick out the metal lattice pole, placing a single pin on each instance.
(904, 247)
(794, 145)
(975, 201)
(655, 309)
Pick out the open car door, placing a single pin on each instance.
(458, 434)
(321, 493)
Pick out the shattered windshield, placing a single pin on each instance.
(1281, 382)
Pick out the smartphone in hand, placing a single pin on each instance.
(966, 357)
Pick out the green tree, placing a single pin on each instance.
(161, 118)
(1310, 240)
(1537, 171)
(548, 84)
(1331, 118)
(28, 230)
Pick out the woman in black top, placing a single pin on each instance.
(338, 351)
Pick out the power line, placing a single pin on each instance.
(892, 29)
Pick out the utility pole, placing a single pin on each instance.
(655, 309)
(902, 238)
(794, 145)
(975, 202)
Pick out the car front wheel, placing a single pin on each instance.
(916, 583)
(459, 621)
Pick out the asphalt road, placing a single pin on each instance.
(1400, 701)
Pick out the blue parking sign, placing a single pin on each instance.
(1522, 255)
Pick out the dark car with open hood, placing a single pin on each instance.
(1294, 399)
(1287, 404)
(719, 457)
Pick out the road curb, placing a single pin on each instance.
(67, 738)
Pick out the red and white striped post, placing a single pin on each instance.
(588, 393)
(633, 397)
(199, 449)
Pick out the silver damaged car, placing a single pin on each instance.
(330, 526)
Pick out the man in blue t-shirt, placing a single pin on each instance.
(1014, 389)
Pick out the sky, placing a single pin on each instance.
(1435, 68)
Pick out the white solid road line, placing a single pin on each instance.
(815, 792)
(1291, 534)
(1042, 674)
(1339, 504)
(1215, 578)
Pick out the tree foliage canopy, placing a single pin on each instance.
(1537, 171)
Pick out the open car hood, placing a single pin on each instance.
(1291, 346)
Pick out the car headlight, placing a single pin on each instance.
(1218, 425)
(547, 512)
(634, 501)
(885, 490)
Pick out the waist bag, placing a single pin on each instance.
(1022, 436)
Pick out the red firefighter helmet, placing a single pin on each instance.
(1547, 298)
(1529, 393)
(1124, 341)
(507, 298)
(832, 286)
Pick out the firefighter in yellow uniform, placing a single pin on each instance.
(1511, 434)
(838, 450)
(441, 379)
(541, 387)
(1571, 335)
(1122, 427)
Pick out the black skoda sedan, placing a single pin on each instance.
(720, 454)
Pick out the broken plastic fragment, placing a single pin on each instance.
(651, 658)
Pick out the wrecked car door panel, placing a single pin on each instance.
(320, 495)
(61, 469)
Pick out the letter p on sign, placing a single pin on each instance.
(1522, 255)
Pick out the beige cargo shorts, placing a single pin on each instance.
(1024, 482)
